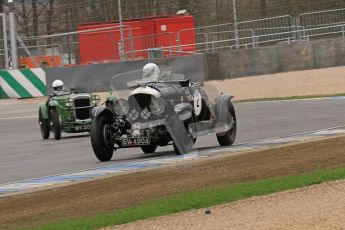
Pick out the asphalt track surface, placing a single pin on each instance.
(24, 155)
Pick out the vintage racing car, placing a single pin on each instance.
(69, 111)
(157, 110)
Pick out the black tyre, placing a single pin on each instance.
(44, 125)
(101, 138)
(228, 138)
(186, 124)
(55, 123)
(147, 149)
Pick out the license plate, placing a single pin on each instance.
(82, 128)
(135, 141)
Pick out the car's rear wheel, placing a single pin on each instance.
(147, 149)
(100, 135)
(44, 125)
(55, 123)
(228, 138)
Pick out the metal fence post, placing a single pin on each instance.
(235, 24)
(131, 42)
(4, 31)
(122, 47)
(13, 41)
(178, 40)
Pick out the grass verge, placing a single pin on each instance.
(290, 98)
(198, 199)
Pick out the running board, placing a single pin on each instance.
(205, 128)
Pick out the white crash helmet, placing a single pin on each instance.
(150, 70)
(57, 85)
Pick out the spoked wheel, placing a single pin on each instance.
(55, 123)
(100, 135)
(147, 149)
(44, 125)
(228, 138)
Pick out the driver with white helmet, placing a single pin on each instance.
(151, 72)
(58, 86)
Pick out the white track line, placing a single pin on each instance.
(14, 118)
(292, 100)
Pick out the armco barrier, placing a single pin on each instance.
(24, 83)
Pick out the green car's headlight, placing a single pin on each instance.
(69, 103)
(121, 107)
(95, 99)
(157, 106)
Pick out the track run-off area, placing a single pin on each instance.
(29, 162)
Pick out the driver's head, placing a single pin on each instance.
(150, 70)
(57, 86)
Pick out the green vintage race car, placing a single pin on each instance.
(68, 112)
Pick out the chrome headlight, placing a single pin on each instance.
(145, 114)
(133, 115)
(157, 106)
(121, 107)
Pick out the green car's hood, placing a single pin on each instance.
(67, 96)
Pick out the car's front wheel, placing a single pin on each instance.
(100, 135)
(55, 123)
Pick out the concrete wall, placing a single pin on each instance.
(97, 77)
(220, 65)
(275, 59)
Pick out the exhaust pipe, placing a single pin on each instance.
(116, 125)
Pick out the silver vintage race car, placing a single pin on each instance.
(157, 108)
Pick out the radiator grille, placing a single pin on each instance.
(82, 113)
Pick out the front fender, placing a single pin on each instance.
(184, 111)
(102, 110)
(111, 98)
(53, 103)
(44, 111)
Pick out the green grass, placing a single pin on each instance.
(290, 98)
(199, 199)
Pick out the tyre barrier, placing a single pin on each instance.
(23, 83)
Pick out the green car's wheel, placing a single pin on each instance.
(147, 149)
(228, 138)
(100, 135)
(55, 123)
(44, 125)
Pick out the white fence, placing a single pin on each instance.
(251, 34)
(269, 31)
(321, 18)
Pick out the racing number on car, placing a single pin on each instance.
(197, 103)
